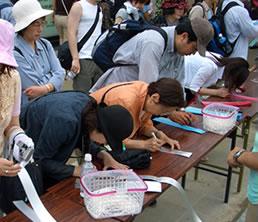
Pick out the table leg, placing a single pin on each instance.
(229, 176)
(183, 181)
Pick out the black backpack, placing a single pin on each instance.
(220, 43)
(109, 42)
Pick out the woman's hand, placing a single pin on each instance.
(8, 168)
(182, 117)
(76, 68)
(152, 144)
(222, 92)
(110, 162)
(174, 144)
(35, 91)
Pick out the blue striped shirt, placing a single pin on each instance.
(38, 67)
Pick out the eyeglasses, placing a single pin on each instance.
(39, 23)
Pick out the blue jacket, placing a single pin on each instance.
(54, 124)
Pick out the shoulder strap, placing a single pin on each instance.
(203, 9)
(162, 33)
(228, 6)
(89, 33)
(103, 97)
(223, 12)
(18, 50)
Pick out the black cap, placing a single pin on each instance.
(116, 123)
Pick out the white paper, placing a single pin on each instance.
(153, 186)
(176, 152)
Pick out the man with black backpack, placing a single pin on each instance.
(240, 28)
(147, 56)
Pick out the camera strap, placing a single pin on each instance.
(38, 212)
(174, 183)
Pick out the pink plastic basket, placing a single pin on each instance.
(113, 193)
(219, 118)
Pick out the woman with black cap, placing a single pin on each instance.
(60, 122)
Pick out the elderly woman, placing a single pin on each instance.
(172, 11)
(39, 67)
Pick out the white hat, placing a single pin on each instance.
(27, 11)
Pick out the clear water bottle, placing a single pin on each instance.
(87, 167)
(70, 75)
(222, 39)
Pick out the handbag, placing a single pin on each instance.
(134, 158)
(11, 188)
(63, 52)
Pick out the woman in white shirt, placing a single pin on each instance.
(204, 72)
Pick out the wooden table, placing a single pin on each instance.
(249, 113)
(63, 200)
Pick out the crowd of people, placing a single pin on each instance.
(112, 107)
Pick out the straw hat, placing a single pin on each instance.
(27, 11)
(7, 43)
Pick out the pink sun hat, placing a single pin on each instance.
(7, 44)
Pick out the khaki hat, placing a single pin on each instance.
(204, 33)
(27, 11)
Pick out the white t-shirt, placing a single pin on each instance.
(89, 12)
(201, 71)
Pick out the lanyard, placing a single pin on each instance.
(177, 125)
(174, 183)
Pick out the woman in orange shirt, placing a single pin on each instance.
(143, 100)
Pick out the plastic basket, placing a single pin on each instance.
(219, 118)
(113, 193)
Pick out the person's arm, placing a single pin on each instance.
(182, 117)
(72, 28)
(245, 23)
(110, 162)
(31, 84)
(121, 15)
(247, 158)
(56, 81)
(221, 92)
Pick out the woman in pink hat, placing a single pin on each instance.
(10, 96)
(172, 11)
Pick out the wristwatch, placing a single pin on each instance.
(238, 154)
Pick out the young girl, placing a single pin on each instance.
(10, 97)
(204, 72)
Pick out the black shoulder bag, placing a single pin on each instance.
(64, 54)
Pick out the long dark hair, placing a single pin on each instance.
(170, 91)
(236, 71)
(5, 69)
(89, 118)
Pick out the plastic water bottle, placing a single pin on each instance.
(222, 39)
(70, 75)
(87, 167)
